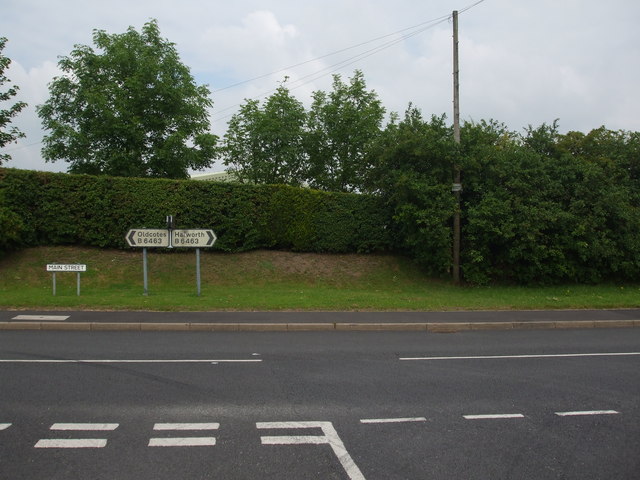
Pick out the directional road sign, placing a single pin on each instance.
(195, 238)
(147, 237)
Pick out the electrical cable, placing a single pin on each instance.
(421, 27)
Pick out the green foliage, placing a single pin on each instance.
(264, 144)
(10, 135)
(60, 209)
(342, 128)
(131, 109)
(330, 222)
(548, 208)
(538, 208)
(327, 147)
(413, 174)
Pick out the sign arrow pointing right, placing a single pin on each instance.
(212, 238)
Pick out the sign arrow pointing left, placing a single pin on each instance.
(147, 237)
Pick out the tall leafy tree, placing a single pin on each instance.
(264, 143)
(413, 172)
(130, 107)
(342, 127)
(7, 135)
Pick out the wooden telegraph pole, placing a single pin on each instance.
(457, 182)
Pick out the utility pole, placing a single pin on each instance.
(457, 182)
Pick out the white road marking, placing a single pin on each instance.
(77, 442)
(186, 426)
(330, 437)
(499, 357)
(47, 318)
(183, 442)
(587, 412)
(393, 420)
(4, 426)
(88, 427)
(71, 443)
(295, 440)
(493, 416)
(17, 360)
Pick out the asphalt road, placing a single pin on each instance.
(334, 405)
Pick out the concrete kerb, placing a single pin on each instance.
(302, 327)
(542, 325)
(386, 327)
(114, 326)
(310, 327)
(575, 324)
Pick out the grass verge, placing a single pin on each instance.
(268, 280)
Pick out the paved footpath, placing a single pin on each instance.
(318, 321)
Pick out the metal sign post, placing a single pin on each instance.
(144, 272)
(62, 267)
(198, 270)
(194, 238)
(147, 238)
(170, 238)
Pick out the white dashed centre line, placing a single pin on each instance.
(4, 426)
(507, 357)
(587, 412)
(393, 420)
(19, 360)
(493, 416)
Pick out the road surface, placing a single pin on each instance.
(326, 405)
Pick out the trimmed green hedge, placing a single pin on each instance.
(38, 208)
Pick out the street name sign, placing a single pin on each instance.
(148, 237)
(193, 238)
(62, 267)
(66, 267)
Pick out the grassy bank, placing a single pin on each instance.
(265, 280)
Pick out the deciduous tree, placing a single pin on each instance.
(7, 135)
(264, 143)
(342, 127)
(130, 107)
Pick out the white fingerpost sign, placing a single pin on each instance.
(193, 238)
(148, 237)
(169, 238)
(66, 267)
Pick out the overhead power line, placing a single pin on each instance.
(20, 147)
(419, 28)
(412, 31)
(306, 79)
(342, 50)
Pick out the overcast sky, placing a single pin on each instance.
(522, 62)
